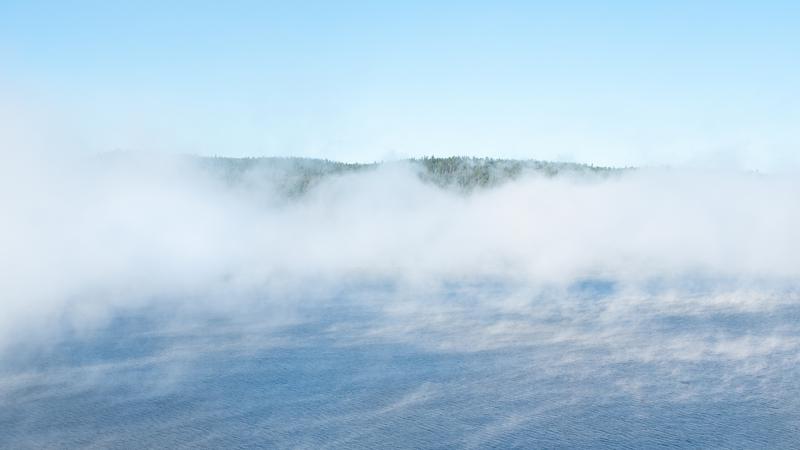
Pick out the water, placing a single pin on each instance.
(463, 366)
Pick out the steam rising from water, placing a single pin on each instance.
(84, 239)
(639, 285)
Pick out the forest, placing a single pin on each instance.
(295, 176)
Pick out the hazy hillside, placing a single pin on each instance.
(295, 176)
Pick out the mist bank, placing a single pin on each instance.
(295, 176)
(82, 239)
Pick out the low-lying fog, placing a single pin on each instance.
(148, 301)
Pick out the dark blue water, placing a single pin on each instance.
(460, 367)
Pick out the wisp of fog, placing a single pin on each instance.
(83, 239)
(577, 273)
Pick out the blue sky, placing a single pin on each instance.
(613, 83)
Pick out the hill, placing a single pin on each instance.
(294, 176)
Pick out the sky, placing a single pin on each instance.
(711, 83)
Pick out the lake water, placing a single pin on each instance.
(461, 366)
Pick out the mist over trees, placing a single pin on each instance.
(295, 176)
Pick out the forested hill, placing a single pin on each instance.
(294, 176)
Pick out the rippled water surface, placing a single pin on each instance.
(463, 366)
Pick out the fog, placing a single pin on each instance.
(85, 237)
(131, 279)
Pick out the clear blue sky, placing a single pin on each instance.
(620, 83)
